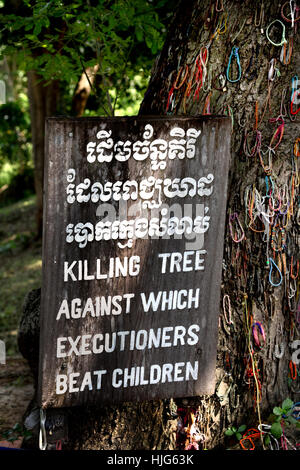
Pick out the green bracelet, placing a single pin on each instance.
(283, 40)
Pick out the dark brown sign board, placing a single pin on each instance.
(134, 220)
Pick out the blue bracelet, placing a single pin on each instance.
(295, 413)
(294, 85)
(272, 262)
(234, 53)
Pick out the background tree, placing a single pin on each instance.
(94, 46)
(229, 57)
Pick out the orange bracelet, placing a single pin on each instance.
(293, 370)
(177, 87)
(293, 276)
(296, 147)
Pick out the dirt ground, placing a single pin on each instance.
(16, 391)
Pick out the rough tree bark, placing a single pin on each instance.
(245, 270)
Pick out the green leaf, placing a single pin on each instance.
(234, 429)
(267, 440)
(154, 47)
(277, 411)
(148, 41)
(229, 432)
(276, 430)
(292, 420)
(139, 33)
(287, 404)
(37, 28)
(242, 428)
(28, 26)
(239, 436)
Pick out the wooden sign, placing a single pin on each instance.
(132, 256)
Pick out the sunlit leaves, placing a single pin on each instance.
(61, 39)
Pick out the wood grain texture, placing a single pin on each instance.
(66, 148)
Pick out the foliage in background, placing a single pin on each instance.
(16, 166)
(20, 266)
(15, 433)
(61, 40)
(14, 134)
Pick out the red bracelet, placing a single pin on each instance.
(292, 102)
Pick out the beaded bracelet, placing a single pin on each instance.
(283, 40)
(282, 241)
(234, 54)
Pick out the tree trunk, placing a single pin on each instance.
(83, 90)
(43, 101)
(245, 268)
(250, 378)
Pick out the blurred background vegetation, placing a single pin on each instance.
(100, 54)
